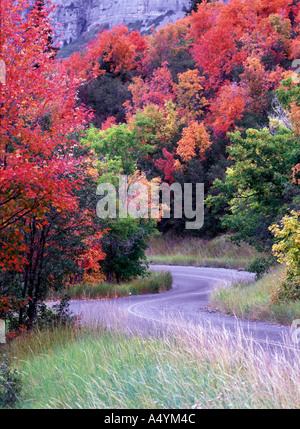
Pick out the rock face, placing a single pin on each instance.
(76, 17)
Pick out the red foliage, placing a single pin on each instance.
(226, 34)
(9, 304)
(111, 120)
(155, 90)
(121, 49)
(167, 165)
(227, 107)
(39, 113)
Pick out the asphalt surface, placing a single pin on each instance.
(184, 306)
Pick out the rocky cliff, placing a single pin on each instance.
(73, 18)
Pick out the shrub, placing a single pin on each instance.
(10, 384)
(58, 315)
(260, 265)
(287, 251)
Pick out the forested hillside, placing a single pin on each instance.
(213, 98)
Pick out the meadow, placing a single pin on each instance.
(96, 368)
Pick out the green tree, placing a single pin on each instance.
(118, 150)
(125, 247)
(118, 144)
(257, 190)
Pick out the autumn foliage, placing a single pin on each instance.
(40, 174)
(185, 86)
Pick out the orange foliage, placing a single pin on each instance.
(189, 94)
(195, 140)
(167, 42)
(257, 82)
(91, 258)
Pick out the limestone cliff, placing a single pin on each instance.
(76, 17)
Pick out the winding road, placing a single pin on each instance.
(183, 306)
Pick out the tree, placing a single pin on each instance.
(287, 251)
(257, 190)
(125, 245)
(170, 44)
(195, 140)
(226, 34)
(117, 51)
(155, 90)
(227, 107)
(189, 94)
(118, 150)
(42, 171)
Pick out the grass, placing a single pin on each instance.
(156, 282)
(253, 301)
(218, 253)
(68, 369)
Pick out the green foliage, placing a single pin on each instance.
(106, 96)
(47, 317)
(59, 315)
(118, 148)
(10, 383)
(288, 92)
(255, 301)
(260, 265)
(156, 282)
(257, 189)
(125, 247)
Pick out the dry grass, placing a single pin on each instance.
(253, 300)
(156, 282)
(189, 368)
(218, 253)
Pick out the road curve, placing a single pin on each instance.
(184, 305)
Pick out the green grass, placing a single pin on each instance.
(253, 300)
(156, 282)
(101, 369)
(218, 253)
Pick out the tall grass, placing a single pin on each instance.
(253, 300)
(220, 252)
(191, 368)
(156, 282)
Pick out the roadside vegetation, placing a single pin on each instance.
(71, 368)
(213, 98)
(257, 301)
(156, 282)
(219, 252)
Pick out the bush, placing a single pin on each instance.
(10, 384)
(289, 290)
(287, 251)
(58, 315)
(260, 266)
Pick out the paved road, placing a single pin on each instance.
(185, 304)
